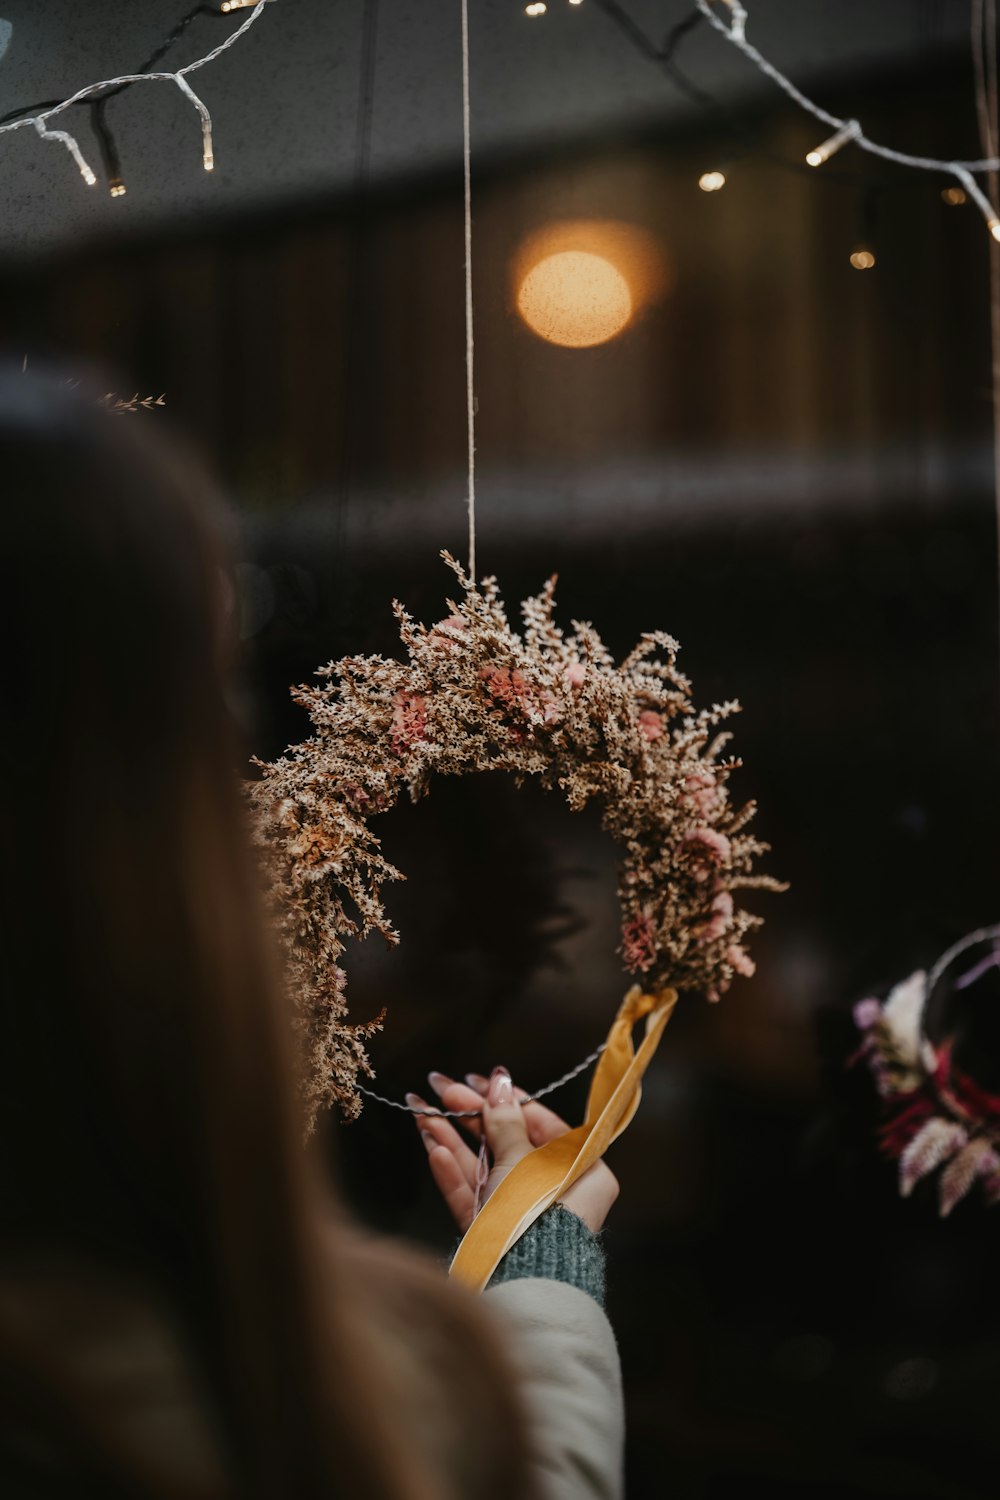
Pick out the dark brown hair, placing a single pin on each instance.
(147, 1104)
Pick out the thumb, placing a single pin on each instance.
(504, 1123)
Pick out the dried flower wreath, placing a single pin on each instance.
(938, 1118)
(473, 695)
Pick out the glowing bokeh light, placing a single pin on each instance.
(575, 298)
(711, 182)
(862, 260)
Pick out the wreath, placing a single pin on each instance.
(474, 695)
(939, 1122)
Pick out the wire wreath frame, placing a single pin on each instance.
(475, 695)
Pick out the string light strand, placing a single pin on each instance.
(473, 1114)
(40, 121)
(734, 31)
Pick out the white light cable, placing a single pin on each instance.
(179, 78)
(734, 30)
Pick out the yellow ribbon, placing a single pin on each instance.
(546, 1173)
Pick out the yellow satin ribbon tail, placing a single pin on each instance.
(546, 1173)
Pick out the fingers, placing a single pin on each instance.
(453, 1185)
(505, 1125)
(543, 1124)
(458, 1096)
(437, 1132)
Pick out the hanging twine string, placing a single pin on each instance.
(470, 398)
(470, 395)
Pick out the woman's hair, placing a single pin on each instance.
(147, 1099)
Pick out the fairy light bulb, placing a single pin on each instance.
(117, 188)
(536, 9)
(711, 182)
(953, 196)
(208, 159)
(829, 148)
(862, 260)
(993, 225)
(229, 5)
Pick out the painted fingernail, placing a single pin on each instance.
(415, 1101)
(501, 1088)
(438, 1081)
(478, 1082)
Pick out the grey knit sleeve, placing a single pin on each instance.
(558, 1246)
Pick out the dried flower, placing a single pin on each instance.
(409, 719)
(740, 961)
(639, 942)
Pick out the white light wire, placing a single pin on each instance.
(179, 77)
(735, 32)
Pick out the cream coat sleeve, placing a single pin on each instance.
(567, 1358)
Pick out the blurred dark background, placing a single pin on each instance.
(784, 461)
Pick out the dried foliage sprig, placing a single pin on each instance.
(116, 404)
(475, 695)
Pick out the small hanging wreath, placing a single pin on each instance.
(939, 1122)
(474, 695)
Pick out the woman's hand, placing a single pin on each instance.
(512, 1130)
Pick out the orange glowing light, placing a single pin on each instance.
(575, 298)
(580, 283)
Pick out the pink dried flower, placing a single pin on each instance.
(639, 942)
(719, 921)
(650, 724)
(936, 1142)
(866, 1014)
(409, 719)
(708, 849)
(723, 904)
(702, 794)
(715, 842)
(551, 708)
(977, 1160)
(514, 690)
(575, 674)
(442, 635)
(739, 959)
